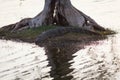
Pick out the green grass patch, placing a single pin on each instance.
(30, 35)
(27, 35)
(106, 32)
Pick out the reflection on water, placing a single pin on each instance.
(61, 57)
(84, 61)
(74, 61)
(22, 60)
(59, 61)
(99, 60)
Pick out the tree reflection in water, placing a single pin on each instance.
(60, 55)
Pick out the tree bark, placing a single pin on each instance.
(46, 17)
(67, 14)
(59, 12)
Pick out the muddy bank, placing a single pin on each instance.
(47, 34)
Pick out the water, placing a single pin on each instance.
(96, 61)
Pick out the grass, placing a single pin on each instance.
(28, 35)
(106, 32)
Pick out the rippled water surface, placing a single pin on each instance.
(99, 60)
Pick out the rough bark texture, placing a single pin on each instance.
(46, 17)
(66, 14)
(58, 12)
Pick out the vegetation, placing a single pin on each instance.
(55, 12)
(27, 35)
(30, 35)
(106, 32)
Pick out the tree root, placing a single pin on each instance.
(61, 31)
(59, 13)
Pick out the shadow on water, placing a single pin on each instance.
(61, 53)
(59, 58)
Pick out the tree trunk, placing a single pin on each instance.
(46, 17)
(66, 14)
(59, 12)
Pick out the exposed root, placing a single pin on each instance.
(23, 24)
(91, 22)
(60, 31)
(66, 14)
(60, 13)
